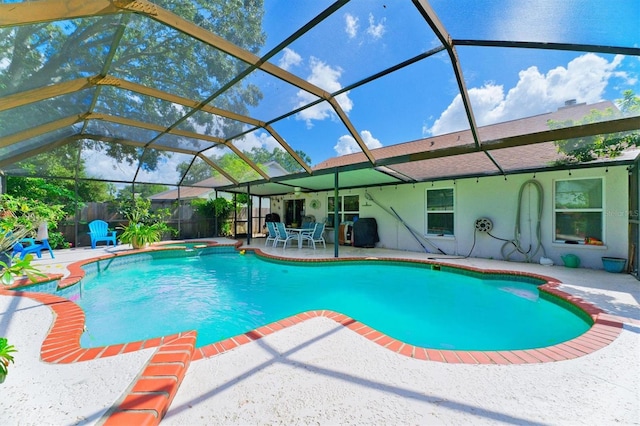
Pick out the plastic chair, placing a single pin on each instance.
(271, 236)
(308, 222)
(316, 236)
(32, 247)
(282, 235)
(99, 231)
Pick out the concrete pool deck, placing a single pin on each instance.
(318, 371)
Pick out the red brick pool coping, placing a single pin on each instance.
(153, 391)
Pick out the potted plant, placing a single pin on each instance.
(5, 357)
(141, 235)
(144, 227)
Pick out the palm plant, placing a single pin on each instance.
(6, 357)
(144, 227)
(11, 232)
(20, 216)
(18, 267)
(140, 235)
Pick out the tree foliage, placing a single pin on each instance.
(280, 156)
(138, 210)
(59, 191)
(610, 145)
(240, 170)
(147, 53)
(218, 208)
(63, 162)
(30, 212)
(143, 191)
(62, 194)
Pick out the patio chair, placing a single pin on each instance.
(308, 222)
(271, 233)
(99, 231)
(282, 235)
(316, 236)
(34, 245)
(30, 245)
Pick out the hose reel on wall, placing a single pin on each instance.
(483, 224)
(513, 246)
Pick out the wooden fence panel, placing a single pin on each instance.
(184, 218)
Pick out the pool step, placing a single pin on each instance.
(151, 395)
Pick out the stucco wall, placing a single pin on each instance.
(496, 199)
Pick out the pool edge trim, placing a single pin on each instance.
(603, 330)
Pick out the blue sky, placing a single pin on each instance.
(365, 37)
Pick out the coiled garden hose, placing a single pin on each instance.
(515, 243)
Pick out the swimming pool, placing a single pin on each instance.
(226, 294)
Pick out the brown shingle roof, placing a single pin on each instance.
(521, 157)
(189, 192)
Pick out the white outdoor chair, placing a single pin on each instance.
(317, 236)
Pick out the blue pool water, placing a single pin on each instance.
(226, 294)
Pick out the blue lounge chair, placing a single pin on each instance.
(99, 231)
(30, 245)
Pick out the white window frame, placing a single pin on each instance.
(341, 211)
(600, 210)
(452, 211)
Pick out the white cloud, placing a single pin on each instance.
(4, 63)
(165, 173)
(289, 59)
(351, 25)
(375, 30)
(104, 166)
(260, 139)
(584, 79)
(348, 145)
(325, 77)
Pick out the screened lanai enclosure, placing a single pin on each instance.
(202, 98)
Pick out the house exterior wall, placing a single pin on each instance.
(497, 199)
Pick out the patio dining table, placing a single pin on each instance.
(300, 232)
